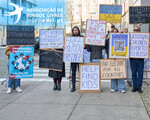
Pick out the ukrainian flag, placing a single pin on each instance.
(110, 13)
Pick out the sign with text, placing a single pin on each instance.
(139, 14)
(21, 62)
(51, 38)
(52, 60)
(110, 13)
(74, 48)
(147, 64)
(119, 45)
(113, 69)
(139, 45)
(89, 78)
(20, 35)
(95, 32)
(86, 56)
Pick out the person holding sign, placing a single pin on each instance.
(74, 66)
(56, 75)
(137, 66)
(10, 80)
(115, 83)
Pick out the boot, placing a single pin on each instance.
(55, 87)
(59, 87)
(73, 88)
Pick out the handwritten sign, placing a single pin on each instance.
(113, 69)
(139, 47)
(51, 38)
(147, 64)
(89, 77)
(74, 48)
(20, 35)
(52, 60)
(139, 14)
(86, 56)
(21, 62)
(110, 13)
(119, 45)
(95, 32)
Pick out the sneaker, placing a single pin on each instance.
(18, 89)
(112, 90)
(9, 90)
(123, 91)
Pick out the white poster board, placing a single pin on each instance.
(95, 32)
(119, 45)
(139, 45)
(51, 38)
(147, 64)
(73, 50)
(89, 77)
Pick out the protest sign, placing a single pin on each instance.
(21, 62)
(139, 14)
(20, 35)
(110, 13)
(73, 50)
(95, 32)
(89, 78)
(86, 56)
(139, 45)
(112, 69)
(147, 64)
(51, 38)
(52, 60)
(119, 45)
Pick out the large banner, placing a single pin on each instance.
(139, 47)
(20, 35)
(74, 48)
(89, 78)
(119, 45)
(95, 32)
(139, 14)
(51, 38)
(21, 62)
(52, 60)
(110, 13)
(113, 69)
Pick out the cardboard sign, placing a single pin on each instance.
(20, 35)
(51, 38)
(147, 64)
(139, 47)
(52, 60)
(74, 48)
(113, 69)
(86, 56)
(110, 13)
(119, 45)
(95, 32)
(21, 62)
(89, 78)
(139, 14)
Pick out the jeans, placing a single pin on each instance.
(11, 81)
(118, 83)
(137, 66)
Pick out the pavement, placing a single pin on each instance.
(39, 102)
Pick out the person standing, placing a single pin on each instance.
(12, 82)
(137, 66)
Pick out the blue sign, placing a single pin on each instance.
(21, 62)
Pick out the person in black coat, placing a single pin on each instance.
(57, 76)
(74, 66)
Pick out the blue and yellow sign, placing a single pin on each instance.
(110, 13)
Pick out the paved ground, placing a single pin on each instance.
(39, 102)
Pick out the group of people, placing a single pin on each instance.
(137, 66)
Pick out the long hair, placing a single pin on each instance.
(73, 31)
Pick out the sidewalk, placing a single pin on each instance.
(39, 102)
